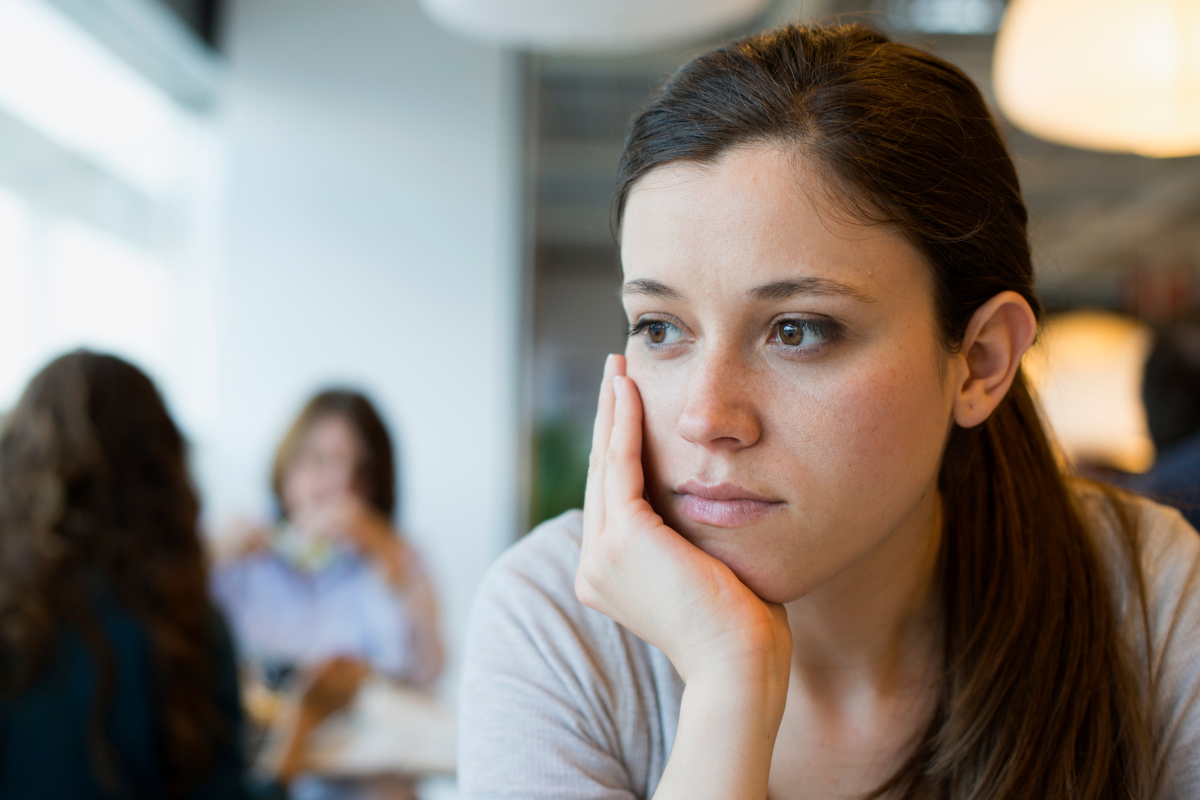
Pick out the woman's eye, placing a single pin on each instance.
(802, 333)
(657, 332)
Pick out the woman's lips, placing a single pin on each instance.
(723, 505)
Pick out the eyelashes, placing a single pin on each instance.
(636, 327)
(655, 331)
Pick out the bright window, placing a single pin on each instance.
(102, 184)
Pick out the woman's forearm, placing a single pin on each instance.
(405, 575)
(726, 736)
(289, 759)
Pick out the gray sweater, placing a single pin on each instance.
(560, 702)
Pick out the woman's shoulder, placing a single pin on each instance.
(1167, 546)
(546, 557)
(527, 616)
(1167, 634)
(1167, 549)
(526, 611)
(532, 586)
(552, 689)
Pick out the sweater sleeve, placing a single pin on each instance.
(1171, 560)
(537, 715)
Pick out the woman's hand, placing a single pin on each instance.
(641, 573)
(237, 540)
(331, 687)
(327, 690)
(732, 649)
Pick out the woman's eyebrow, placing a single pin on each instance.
(782, 290)
(651, 288)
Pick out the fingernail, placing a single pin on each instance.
(619, 385)
(608, 365)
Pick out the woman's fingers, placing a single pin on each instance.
(623, 478)
(593, 499)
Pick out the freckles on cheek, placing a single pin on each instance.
(662, 403)
(870, 421)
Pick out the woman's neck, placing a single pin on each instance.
(875, 627)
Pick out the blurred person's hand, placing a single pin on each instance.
(325, 690)
(237, 540)
(350, 519)
(331, 687)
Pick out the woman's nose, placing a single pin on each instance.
(720, 413)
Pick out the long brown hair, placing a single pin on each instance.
(376, 469)
(95, 496)
(1042, 696)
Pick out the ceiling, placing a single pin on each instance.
(1094, 216)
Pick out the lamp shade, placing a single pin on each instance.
(590, 25)
(1115, 75)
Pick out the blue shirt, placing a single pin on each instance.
(284, 615)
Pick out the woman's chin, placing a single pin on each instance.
(763, 569)
(749, 548)
(770, 583)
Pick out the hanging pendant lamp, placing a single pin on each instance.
(1114, 75)
(590, 25)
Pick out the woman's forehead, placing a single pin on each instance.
(756, 217)
(332, 430)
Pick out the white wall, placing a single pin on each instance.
(370, 221)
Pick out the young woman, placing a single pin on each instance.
(335, 577)
(117, 677)
(826, 550)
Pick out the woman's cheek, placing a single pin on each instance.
(877, 432)
(664, 396)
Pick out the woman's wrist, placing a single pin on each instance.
(293, 750)
(389, 556)
(756, 654)
(758, 682)
(725, 739)
(387, 551)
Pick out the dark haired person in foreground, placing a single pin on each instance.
(117, 677)
(826, 550)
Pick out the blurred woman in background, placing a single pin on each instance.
(1171, 393)
(334, 577)
(117, 676)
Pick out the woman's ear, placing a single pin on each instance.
(999, 334)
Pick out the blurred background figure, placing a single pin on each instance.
(117, 676)
(1171, 393)
(333, 577)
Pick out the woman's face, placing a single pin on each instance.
(796, 405)
(325, 467)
